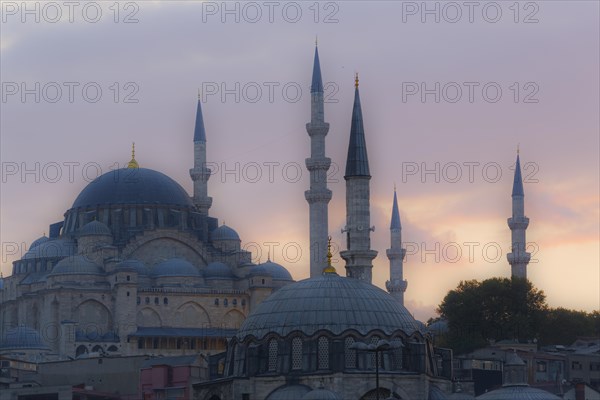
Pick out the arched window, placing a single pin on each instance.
(396, 354)
(296, 353)
(165, 301)
(349, 354)
(235, 302)
(323, 353)
(156, 300)
(374, 341)
(225, 302)
(216, 302)
(243, 302)
(273, 347)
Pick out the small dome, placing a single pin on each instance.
(274, 270)
(438, 327)
(38, 241)
(135, 265)
(435, 393)
(321, 394)
(176, 267)
(329, 302)
(289, 392)
(224, 233)
(76, 265)
(218, 270)
(520, 392)
(95, 228)
(22, 338)
(460, 396)
(51, 249)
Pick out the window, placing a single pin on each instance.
(128, 278)
(296, 353)
(156, 300)
(225, 302)
(397, 354)
(127, 294)
(235, 302)
(216, 302)
(541, 366)
(165, 301)
(138, 300)
(349, 353)
(243, 302)
(576, 365)
(147, 300)
(595, 366)
(323, 353)
(374, 341)
(273, 347)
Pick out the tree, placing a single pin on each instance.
(493, 309)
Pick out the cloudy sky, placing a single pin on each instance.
(448, 92)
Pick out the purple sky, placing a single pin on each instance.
(547, 72)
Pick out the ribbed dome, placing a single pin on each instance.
(94, 228)
(224, 233)
(22, 338)
(133, 186)
(320, 394)
(518, 392)
(51, 248)
(328, 302)
(135, 265)
(39, 241)
(176, 267)
(218, 270)
(274, 270)
(76, 265)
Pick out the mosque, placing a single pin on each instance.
(139, 267)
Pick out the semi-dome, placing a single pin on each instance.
(76, 265)
(224, 232)
(328, 302)
(22, 338)
(218, 270)
(175, 267)
(94, 228)
(321, 394)
(38, 241)
(274, 270)
(134, 265)
(51, 249)
(132, 186)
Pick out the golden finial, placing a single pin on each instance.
(133, 163)
(356, 80)
(329, 269)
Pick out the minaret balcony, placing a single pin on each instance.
(518, 257)
(396, 286)
(395, 253)
(318, 196)
(317, 128)
(200, 174)
(518, 222)
(314, 164)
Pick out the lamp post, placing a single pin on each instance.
(382, 345)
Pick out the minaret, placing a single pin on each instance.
(318, 196)
(396, 286)
(358, 256)
(519, 257)
(200, 173)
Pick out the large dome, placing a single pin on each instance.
(328, 302)
(22, 338)
(132, 186)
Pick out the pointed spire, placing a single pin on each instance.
(395, 224)
(357, 163)
(329, 269)
(317, 81)
(518, 181)
(133, 163)
(199, 132)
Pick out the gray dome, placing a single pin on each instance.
(135, 265)
(39, 241)
(76, 265)
(460, 396)
(328, 302)
(22, 338)
(95, 228)
(132, 186)
(274, 270)
(518, 392)
(176, 267)
(224, 233)
(320, 394)
(51, 249)
(289, 392)
(438, 327)
(435, 393)
(218, 270)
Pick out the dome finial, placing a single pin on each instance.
(329, 269)
(316, 40)
(133, 163)
(356, 80)
(518, 145)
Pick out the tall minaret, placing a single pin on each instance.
(359, 256)
(318, 196)
(519, 257)
(396, 286)
(200, 173)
